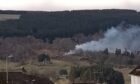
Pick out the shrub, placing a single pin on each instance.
(63, 72)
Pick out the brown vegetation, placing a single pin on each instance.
(25, 51)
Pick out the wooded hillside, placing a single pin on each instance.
(65, 23)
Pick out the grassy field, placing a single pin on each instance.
(34, 68)
(125, 72)
(51, 70)
(4, 17)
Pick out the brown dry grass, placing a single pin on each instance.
(35, 68)
(125, 72)
(51, 70)
(63, 81)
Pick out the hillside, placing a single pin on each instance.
(25, 36)
(4, 17)
(63, 23)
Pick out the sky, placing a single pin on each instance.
(60, 5)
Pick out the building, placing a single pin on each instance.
(21, 78)
(135, 75)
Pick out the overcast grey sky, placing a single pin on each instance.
(59, 5)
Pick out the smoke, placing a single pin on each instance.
(120, 37)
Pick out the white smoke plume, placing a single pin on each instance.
(120, 37)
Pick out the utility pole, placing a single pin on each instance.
(7, 75)
(6, 69)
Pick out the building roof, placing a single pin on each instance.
(135, 71)
(21, 78)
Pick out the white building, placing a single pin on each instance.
(135, 75)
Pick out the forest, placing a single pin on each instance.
(49, 25)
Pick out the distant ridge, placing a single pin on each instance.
(24, 11)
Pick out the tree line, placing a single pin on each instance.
(96, 74)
